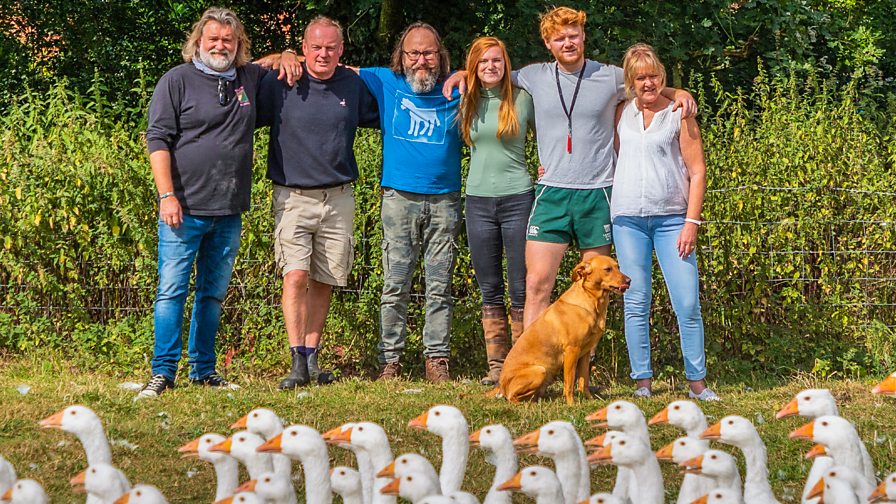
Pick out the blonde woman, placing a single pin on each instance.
(494, 119)
(658, 191)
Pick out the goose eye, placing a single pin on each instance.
(622, 442)
(73, 412)
(241, 439)
(488, 431)
(532, 473)
(807, 398)
(834, 474)
(267, 480)
(551, 432)
(618, 406)
(404, 461)
(730, 422)
(342, 473)
(254, 415)
(825, 423)
(437, 413)
(360, 428)
(410, 478)
(712, 457)
(293, 433)
(139, 493)
(681, 443)
(676, 407)
(93, 471)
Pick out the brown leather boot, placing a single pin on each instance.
(437, 369)
(390, 371)
(494, 326)
(516, 323)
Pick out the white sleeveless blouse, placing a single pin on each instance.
(651, 177)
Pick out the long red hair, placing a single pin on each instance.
(508, 122)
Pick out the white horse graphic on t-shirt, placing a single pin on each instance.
(423, 121)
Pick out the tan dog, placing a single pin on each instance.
(563, 336)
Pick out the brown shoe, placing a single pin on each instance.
(516, 323)
(494, 326)
(390, 371)
(437, 369)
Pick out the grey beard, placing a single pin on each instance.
(424, 85)
(217, 62)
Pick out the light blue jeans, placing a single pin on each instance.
(415, 225)
(211, 243)
(636, 238)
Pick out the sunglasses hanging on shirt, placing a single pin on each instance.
(223, 94)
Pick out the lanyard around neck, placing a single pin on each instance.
(572, 104)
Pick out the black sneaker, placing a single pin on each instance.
(154, 388)
(214, 380)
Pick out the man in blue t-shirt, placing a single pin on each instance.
(421, 194)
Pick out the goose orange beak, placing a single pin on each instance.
(665, 453)
(190, 449)
(601, 456)
(886, 387)
(660, 418)
(791, 409)
(816, 451)
(598, 416)
(596, 441)
(391, 488)
(879, 494)
(817, 490)
(241, 423)
(388, 471)
(804, 432)
(248, 486)
(714, 432)
(225, 500)
(78, 481)
(693, 465)
(514, 484)
(123, 499)
(223, 446)
(271, 445)
(701, 500)
(527, 443)
(474, 438)
(53, 421)
(419, 422)
(338, 436)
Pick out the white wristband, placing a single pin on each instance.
(693, 221)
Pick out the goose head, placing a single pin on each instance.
(683, 448)
(712, 463)
(142, 494)
(625, 450)
(833, 487)
(734, 430)
(413, 487)
(345, 481)
(603, 439)
(441, 420)
(811, 403)
(551, 439)
(685, 415)
(719, 496)
(621, 415)
(408, 463)
(75, 419)
(886, 387)
(536, 482)
(261, 421)
(298, 442)
(885, 491)
(491, 437)
(241, 498)
(602, 498)
(241, 445)
(270, 487)
(26, 491)
(826, 430)
(201, 447)
(363, 435)
(102, 480)
(463, 498)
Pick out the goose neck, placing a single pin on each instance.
(227, 474)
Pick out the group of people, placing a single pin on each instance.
(588, 118)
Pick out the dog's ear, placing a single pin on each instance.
(581, 270)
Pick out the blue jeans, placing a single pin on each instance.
(415, 224)
(211, 243)
(495, 227)
(636, 239)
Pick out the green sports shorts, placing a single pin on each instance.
(577, 216)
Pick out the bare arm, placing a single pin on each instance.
(456, 80)
(288, 63)
(619, 108)
(169, 208)
(692, 152)
(682, 100)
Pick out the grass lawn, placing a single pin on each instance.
(146, 435)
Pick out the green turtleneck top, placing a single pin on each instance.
(498, 165)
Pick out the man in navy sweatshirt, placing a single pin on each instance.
(312, 166)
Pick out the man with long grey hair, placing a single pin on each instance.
(199, 138)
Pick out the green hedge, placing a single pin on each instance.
(797, 258)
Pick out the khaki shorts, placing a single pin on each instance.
(314, 232)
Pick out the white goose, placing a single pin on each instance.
(719, 466)
(303, 443)
(886, 491)
(685, 415)
(412, 487)
(7, 475)
(410, 463)
(719, 496)
(26, 491)
(142, 494)
(448, 423)
(464, 498)
(271, 487)
(87, 427)
(630, 452)
(241, 498)
(266, 424)
(833, 491)
(102, 481)
(372, 440)
(692, 485)
(856, 483)
(560, 441)
(241, 446)
(537, 482)
(603, 498)
(738, 431)
(812, 403)
(841, 442)
(628, 418)
(227, 470)
(346, 482)
(497, 442)
(365, 466)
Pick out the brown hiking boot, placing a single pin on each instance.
(516, 323)
(494, 326)
(437, 369)
(390, 371)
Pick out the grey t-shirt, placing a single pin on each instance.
(590, 165)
